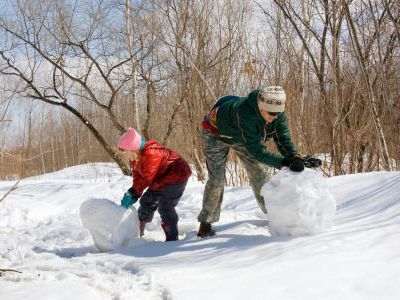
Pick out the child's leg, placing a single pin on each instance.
(148, 205)
(166, 207)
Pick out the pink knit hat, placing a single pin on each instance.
(130, 140)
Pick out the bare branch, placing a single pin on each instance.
(13, 188)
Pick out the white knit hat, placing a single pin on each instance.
(272, 99)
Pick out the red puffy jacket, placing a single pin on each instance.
(157, 167)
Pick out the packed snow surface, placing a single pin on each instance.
(42, 236)
(298, 203)
(110, 225)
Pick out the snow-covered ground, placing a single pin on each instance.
(41, 235)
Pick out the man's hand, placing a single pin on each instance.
(311, 162)
(286, 162)
(295, 163)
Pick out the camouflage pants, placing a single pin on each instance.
(216, 152)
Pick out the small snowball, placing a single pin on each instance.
(110, 225)
(298, 203)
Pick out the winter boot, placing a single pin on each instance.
(171, 232)
(142, 226)
(205, 230)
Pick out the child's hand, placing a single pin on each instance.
(128, 199)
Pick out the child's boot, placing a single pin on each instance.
(171, 232)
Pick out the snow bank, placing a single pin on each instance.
(298, 203)
(110, 225)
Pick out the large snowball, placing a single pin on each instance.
(298, 203)
(110, 225)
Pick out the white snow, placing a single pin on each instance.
(42, 236)
(110, 225)
(298, 203)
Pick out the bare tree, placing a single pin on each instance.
(131, 49)
(85, 62)
(342, 100)
(159, 65)
(202, 37)
(371, 97)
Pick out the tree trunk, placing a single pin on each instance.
(383, 150)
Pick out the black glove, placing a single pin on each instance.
(311, 162)
(287, 161)
(295, 163)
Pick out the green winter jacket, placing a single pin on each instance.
(240, 122)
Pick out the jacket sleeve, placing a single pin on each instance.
(247, 123)
(282, 137)
(149, 166)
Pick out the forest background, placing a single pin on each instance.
(75, 74)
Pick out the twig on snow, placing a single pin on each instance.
(14, 187)
(2, 271)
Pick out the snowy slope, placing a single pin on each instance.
(41, 235)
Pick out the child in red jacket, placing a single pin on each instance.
(163, 172)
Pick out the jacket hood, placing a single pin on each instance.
(252, 100)
(152, 144)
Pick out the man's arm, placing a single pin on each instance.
(283, 138)
(252, 141)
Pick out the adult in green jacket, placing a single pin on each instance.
(244, 124)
